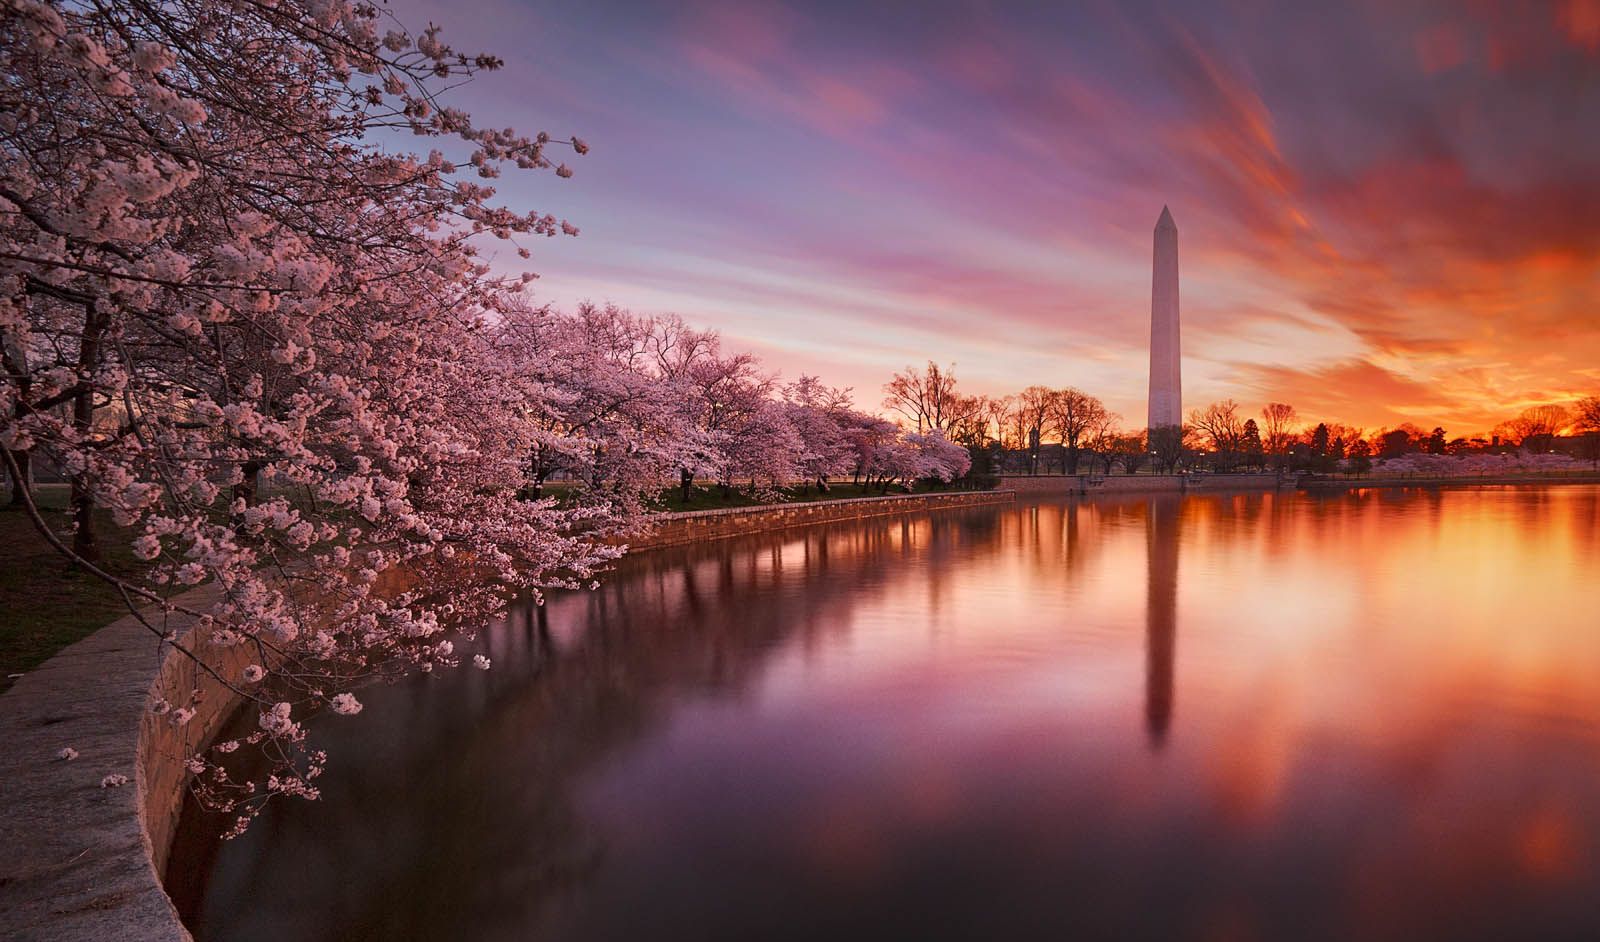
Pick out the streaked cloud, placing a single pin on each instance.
(1387, 209)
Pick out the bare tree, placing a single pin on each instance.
(926, 398)
(1278, 420)
(966, 420)
(1166, 443)
(1132, 450)
(1000, 413)
(1587, 411)
(1103, 438)
(1537, 427)
(1035, 409)
(1220, 423)
(1074, 412)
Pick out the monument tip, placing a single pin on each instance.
(1165, 222)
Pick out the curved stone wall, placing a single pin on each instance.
(698, 525)
(79, 860)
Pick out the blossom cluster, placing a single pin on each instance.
(1478, 465)
(256, 337)
(624, 405)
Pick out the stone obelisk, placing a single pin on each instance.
(1166, 383)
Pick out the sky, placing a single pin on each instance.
(1388, 210)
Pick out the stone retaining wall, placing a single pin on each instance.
(699, 525)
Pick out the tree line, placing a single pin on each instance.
(1065, 430)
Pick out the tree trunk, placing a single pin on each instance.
(248, 489)
(84, 541)
(685, 484)
(21, 484)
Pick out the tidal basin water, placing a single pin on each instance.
(1260, 716)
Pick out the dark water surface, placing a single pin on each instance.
(1365, 715)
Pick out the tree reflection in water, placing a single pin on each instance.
(967, 725)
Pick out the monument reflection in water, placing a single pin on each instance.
(1366, 715)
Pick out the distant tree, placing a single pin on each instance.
(1317, 447)
(1340, 438)
(1436, 441)
(967, 421)
(1587, 411)
(1536, 428)
(926, 398)
(1131, 451)
(1250, 446)
(1166, 446)
(1278, 420)
(1220, 424)
(1395, 442)
(1074, 412)
(1360, 457)
(1102, 440)
(1035, 409)
(999, 414)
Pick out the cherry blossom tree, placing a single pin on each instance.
(735, 427)
(607, 421)
(941, 459)
(819, 415)
(256, 336)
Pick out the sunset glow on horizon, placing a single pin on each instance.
(1387, 211)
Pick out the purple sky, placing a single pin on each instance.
(1387, 209)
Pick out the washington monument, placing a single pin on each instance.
(1166, 354)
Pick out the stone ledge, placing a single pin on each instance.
(77, 860)
(696, 526)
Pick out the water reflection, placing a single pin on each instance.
(963, 725)
(1161, 614)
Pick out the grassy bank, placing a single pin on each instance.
(48, 603)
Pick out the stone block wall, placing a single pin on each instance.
(700, 525)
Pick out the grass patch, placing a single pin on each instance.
(49, 604)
